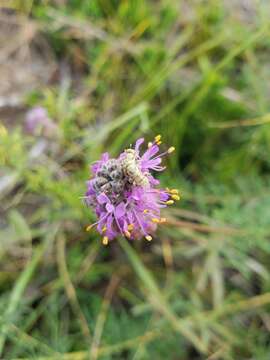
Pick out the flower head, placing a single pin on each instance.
(124, 193)
(37, 122)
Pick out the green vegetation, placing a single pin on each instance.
(196, 72)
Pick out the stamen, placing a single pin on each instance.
(174, 191)
(104, 228)
(169, 202)
(105, 240)
(163, 220)
(145, 211)
(130, 227)
(148, 237)
(169, 151)
(89, 227)
(159, 143)
(158, 138)
(155, 220)
(176, 197)
(150, 144)
(127, 233)
(159, 168)
(139, 222)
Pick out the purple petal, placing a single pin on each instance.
(103, 199)
(152, 180)
(164, 196)
(105, 156)
(110, 231)
(136, 193)
(94, 168)
(149, 164)
(138, 143)
(120, 210)
(130, 217)
(109, 207)
(153, 150)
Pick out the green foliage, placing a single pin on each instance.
(197, 73)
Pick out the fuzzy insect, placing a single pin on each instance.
(109, 178)
(131, 169)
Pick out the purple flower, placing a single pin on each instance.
(124, 193)
(37, 122)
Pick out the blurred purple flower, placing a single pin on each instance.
(124, 195)
(37, 122)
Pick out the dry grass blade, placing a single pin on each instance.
(256, 301)
(27, 340)
(105, 350)
(204, 228)
(102, 317)
(85, 30)
(70, 290)
(261, 120)
(158, 300)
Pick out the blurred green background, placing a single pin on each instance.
(108, 72)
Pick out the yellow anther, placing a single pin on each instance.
(89, 227)
(163, 220)
(171, 149)
(105, 240)
(176, 197)
(169, 202)
(145, 211)
(155, 220)
(149, 144)
(148, 237)
(127, 233)
(130, 227)
(104, 228)
(159, 142)
(157, 138)
(174, 191)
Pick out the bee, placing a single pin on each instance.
(109, 178)
(132, 170)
